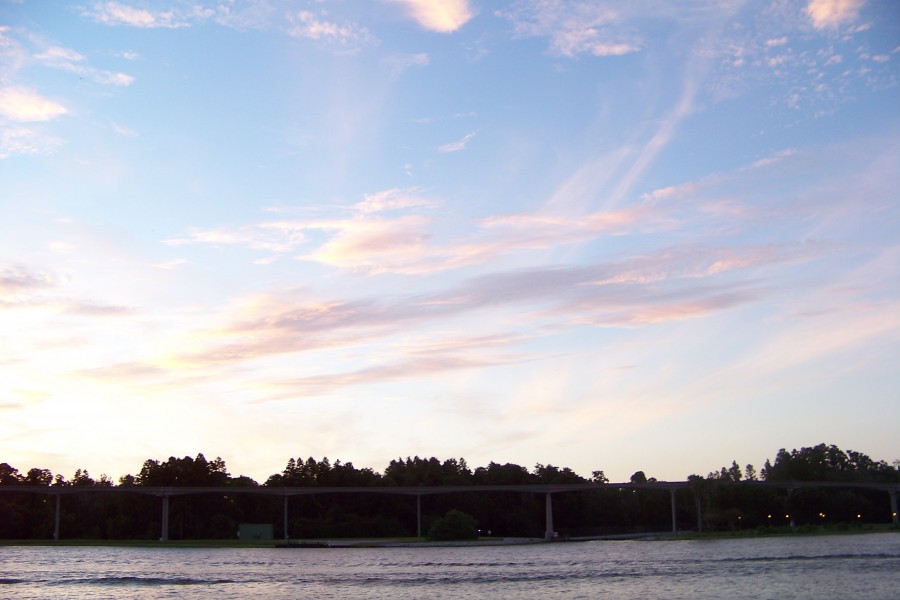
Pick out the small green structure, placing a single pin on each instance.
(256, 531)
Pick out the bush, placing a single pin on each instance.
(455, 525)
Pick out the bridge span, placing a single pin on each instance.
(165, 492)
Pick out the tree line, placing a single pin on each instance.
(726, 498)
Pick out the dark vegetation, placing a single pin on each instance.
(455, 525)
(729, 500)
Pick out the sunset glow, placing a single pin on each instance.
(600, 235)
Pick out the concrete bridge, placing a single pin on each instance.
(893, 489)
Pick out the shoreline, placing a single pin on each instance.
(301, 544)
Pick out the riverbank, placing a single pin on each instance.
(414, 542)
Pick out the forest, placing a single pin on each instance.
(730, 499)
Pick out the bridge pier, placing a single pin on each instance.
(894, 518)
(674, 519)
(56, 519)
(418, 515)
(548, 516)
(164, 533)
(285, 516)
(697, 501)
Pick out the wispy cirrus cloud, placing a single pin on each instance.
(393, 231)
(308, 25)
(669, 285)
(398, 63)
(17, 279)
(26, 287)
(459, 144)
(374, 244)
(73, 62)
(18, 140)
(271, 236)
(405, 368)
(116, 13)
(366, 240)
(442, 16)
(23, 105)
(774, 158)
(11, 52)
(769, 48)
(379, 238)
(393, 199)
(574, 27)
(421, 357)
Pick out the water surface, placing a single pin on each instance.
(820, 567)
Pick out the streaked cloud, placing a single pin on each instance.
(12, 55)
(393, 199)
(833, 13)
(574, 27)
(169, 265)
(273, 236)
(375, 244)
(366, 241)
(115, 13)
(123, 131)
(308, 25)
(69, 60)
(679, 206)
(57, 55)
(15, 279)
(774, 158)
(91, 309)
(671, 285)
(671, 192)
(124, 372)
(442, 16)
(420, 358)
(17, 140)
(398, 63)
(459, 144)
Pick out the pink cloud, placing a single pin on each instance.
(308, 25)
(25, 105)
(832, 13)
(115, 13)
(442, 16)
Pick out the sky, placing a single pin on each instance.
(614, 236)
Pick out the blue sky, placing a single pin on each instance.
(602, 235)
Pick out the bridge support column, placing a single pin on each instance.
(674, 520)
(699, 513)
(548, 516)
(418, 515)
(56, 519)
(895, 519)
(285, 516)
(164, 533)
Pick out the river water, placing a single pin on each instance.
(820, 567)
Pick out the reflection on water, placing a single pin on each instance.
(844, 566)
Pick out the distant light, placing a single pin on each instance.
(770, 516)
(859, 516)
(787, 516)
